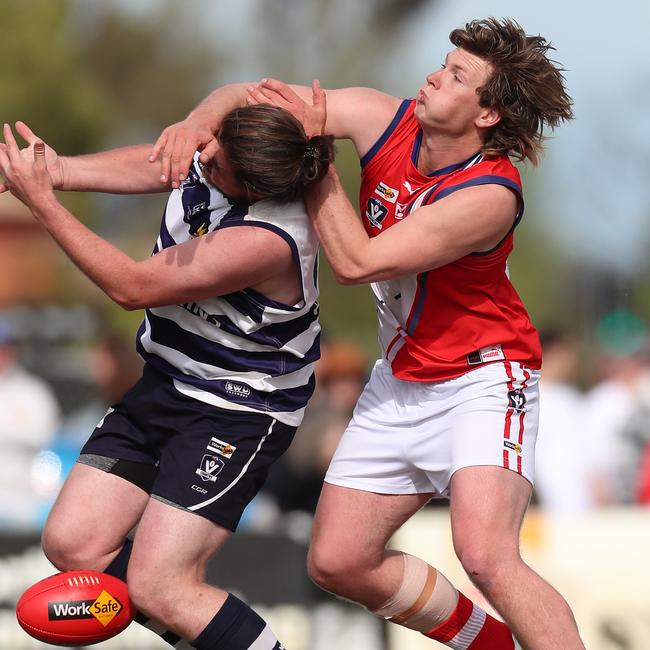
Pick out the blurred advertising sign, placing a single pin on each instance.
(599, 562)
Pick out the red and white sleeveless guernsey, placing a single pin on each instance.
(444, 322)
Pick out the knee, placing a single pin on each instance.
(68, 549)
(485, 563)
(333, 569)
(151, 594)
(145, 594)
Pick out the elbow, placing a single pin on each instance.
(129, 301)
(130, 287)
(350, 275)
(345, 279)
(131, 306)
(355, 267)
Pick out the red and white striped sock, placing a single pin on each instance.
(472, 628)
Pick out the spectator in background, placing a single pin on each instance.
(560, 470)
(643, 479)
(632, 450)
(341, 373)
(609, 405)
(113, 367)
(29, 418)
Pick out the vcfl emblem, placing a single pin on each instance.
(517, 400)
(210, 467)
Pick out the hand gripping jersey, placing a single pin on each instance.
(240, 351)
(441, 323)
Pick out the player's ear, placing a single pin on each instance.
(488, 117)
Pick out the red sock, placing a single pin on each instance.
(472, 628)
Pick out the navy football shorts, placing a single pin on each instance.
(192, 455)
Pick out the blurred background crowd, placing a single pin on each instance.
(92, 75)
(593, 448)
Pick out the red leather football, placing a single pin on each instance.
(75, 608)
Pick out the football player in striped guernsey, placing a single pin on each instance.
(229, 338)
(451, 408)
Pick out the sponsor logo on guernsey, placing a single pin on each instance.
(201, 230)
(104, 608)
(491, 353)
(210, 467)
(517, 400)
(194, 210)
(237, 389)
(376, 212)
(400, 210)
(222, 448)
(486, 354)
(387, 192)
(409, 189)
(515, 446)
(197, 310)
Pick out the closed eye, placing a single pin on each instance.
(455, 74)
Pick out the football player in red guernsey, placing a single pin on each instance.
(451, 408)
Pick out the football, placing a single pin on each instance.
(75, 608)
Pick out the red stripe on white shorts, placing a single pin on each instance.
(520, 435)
(523, 413)
(521, 422)
(508, 418)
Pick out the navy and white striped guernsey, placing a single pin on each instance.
(240, 351)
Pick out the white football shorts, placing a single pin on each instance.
(409, 437)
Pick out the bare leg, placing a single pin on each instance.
(90, 519)
(487, 510)
(348, 554)
(167, 568)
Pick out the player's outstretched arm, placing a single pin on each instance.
(125, 170)
(120, 171)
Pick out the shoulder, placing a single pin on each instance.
(268, 222)
(361, 100)
(482, 195)
(501, 166)
(360, 114)
(291, 216)
(270, 210)
(497, 178)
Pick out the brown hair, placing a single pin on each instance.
(525, 86)
(270, 153)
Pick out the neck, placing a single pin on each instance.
(441, 150)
